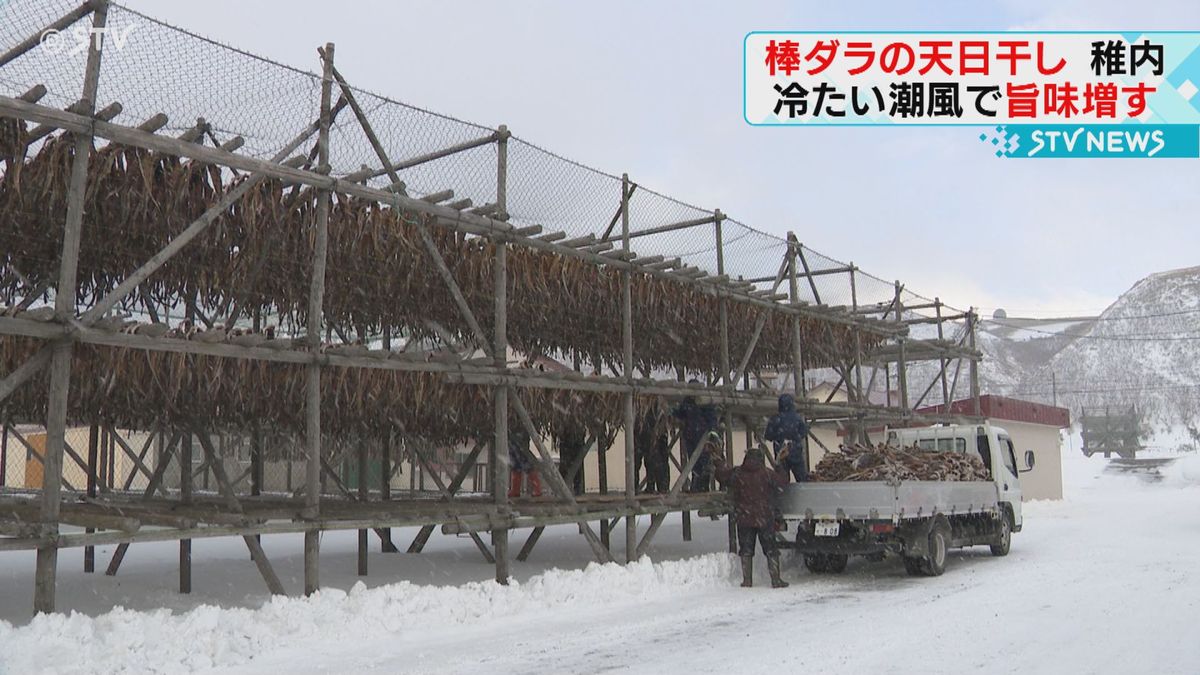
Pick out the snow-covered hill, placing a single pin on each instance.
(1143, 351)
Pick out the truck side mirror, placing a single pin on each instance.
(1029, 460)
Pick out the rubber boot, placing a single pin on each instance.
(514, 483)
(773, 567)
(535, 483)
(747, 571)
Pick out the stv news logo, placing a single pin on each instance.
(1094, 140)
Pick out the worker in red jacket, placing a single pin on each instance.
(752, 487)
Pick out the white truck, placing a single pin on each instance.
(917, 520)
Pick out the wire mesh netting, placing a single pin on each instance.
(150, 67)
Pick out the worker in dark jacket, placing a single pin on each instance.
(753, 489)
(697, 422)
(521, 463)
(651, 443)
(788, 429)
(572, 444)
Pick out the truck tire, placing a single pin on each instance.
(835, 563)
(817, 563)
(1004, 538)
(934, 562)
(913, 566)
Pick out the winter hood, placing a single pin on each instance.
(787, 403)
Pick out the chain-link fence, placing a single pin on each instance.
(150, 67)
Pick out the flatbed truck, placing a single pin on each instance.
(917, 520)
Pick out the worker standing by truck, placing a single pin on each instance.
(753, 489)
(788, 429)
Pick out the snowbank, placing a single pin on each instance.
(206, 637)
(1183, 472)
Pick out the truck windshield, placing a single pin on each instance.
(1006, 453)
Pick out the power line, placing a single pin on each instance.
(1129, 337)
(1083, 319)
(1108, 390)
(1072, 312)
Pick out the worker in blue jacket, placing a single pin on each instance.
(788, 429)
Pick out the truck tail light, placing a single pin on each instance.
(882, 528)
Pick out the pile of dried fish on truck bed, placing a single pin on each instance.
(886, 463)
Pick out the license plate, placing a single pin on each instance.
(827, 528)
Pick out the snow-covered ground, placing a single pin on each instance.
(1104, 581)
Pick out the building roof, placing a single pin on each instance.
(1012, 409)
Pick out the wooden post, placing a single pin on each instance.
(733, 544)
(627, 340)
(937, 307)
(500, 465)
(102, 457)
(256, 458)
(685, 516)
(386, 545)
(794, 296)
(859, 432)
(4, 454)
(185, 497)
(362, 496)
(316, 300)
(112, 458)
(723, 321)
(89, 552)
(602, 469)
(902, 362)
(972, 319)
(64, 309)
(385, 470)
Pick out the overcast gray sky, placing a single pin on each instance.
(654, 89)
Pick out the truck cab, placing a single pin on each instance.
(991, 444)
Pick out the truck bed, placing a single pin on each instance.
(877, 500)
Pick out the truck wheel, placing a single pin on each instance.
(934, 562)
(835, 563)
(1004, 539)
(913, 566)
(817, 563)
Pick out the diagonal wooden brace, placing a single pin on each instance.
(231, 500)
(422, 229)
(554, 479)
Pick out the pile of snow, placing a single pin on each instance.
(1183, 472)
(207, 636)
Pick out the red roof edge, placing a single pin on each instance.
(1012, 409)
